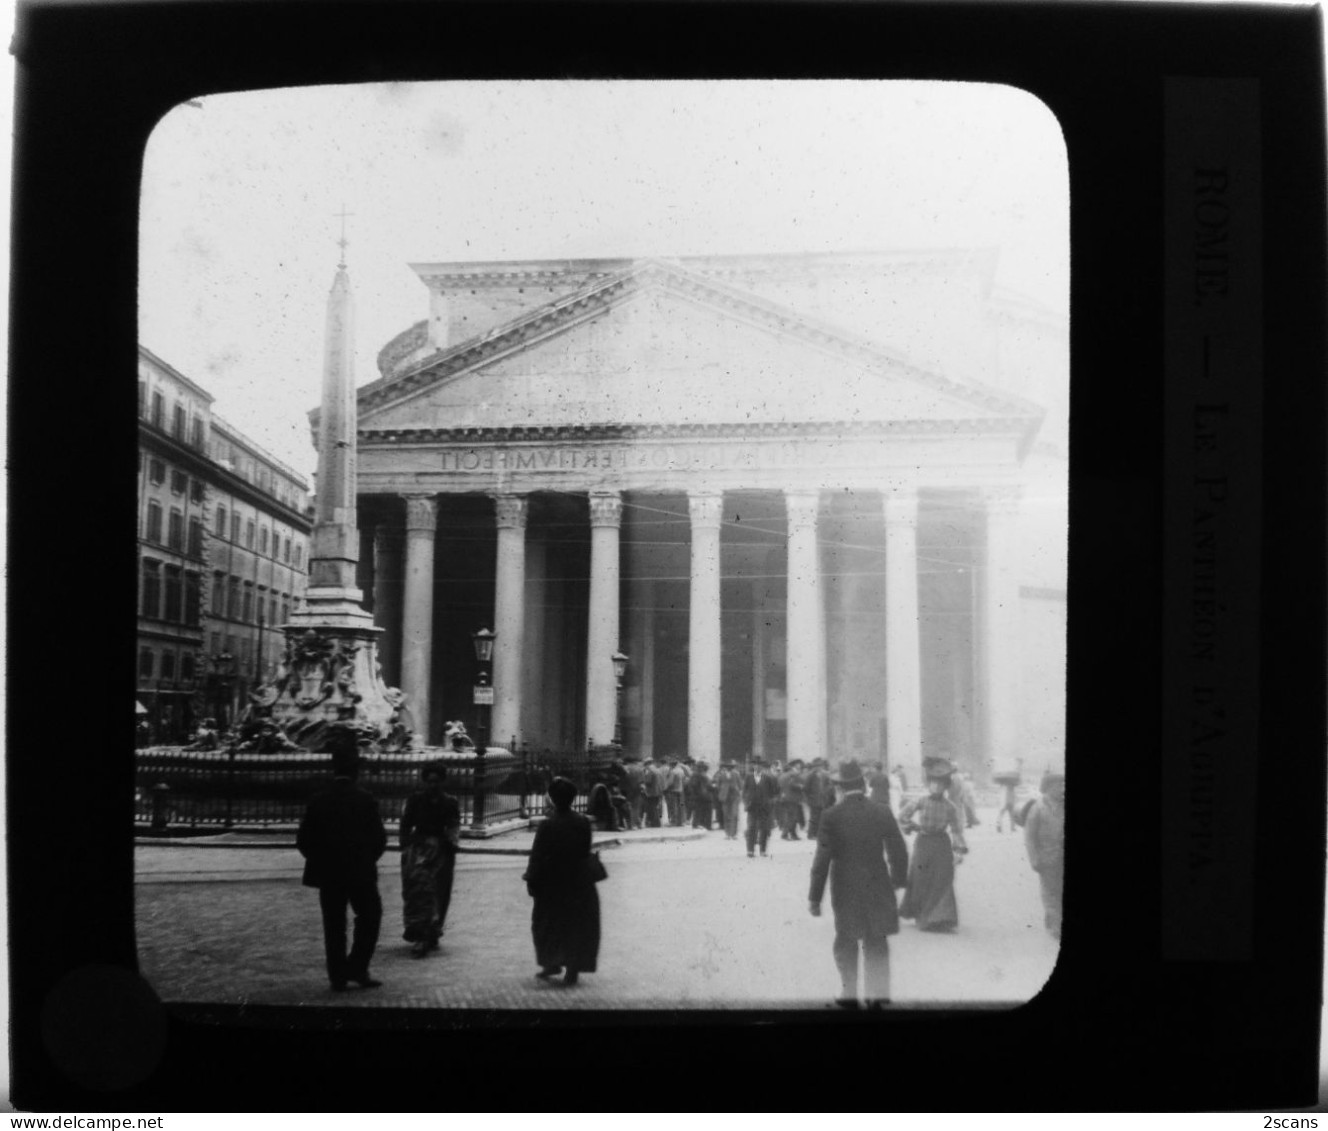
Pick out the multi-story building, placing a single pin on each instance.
(173, 475)
(223, 536)
(258, 533)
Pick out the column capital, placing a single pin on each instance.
(706, 507)
(900, 505)
(510, 511)
(1002, 500)
(605, 508)
(421, 512)
(803, 506)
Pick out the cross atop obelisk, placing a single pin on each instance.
(341, 243)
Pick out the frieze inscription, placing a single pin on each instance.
(652, 456)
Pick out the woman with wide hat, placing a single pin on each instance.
(561, 878)
(929, 898)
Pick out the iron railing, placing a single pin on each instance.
(222, 789)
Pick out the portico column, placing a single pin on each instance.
(388, 545)
(703, 665)
(903, 664)
(417, 611)
(602, 630)
(805, 628)
(509, 616)
(1000, 626)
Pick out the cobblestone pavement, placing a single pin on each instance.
(687, 923)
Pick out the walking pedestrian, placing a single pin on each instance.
(727, 789)
(341, 838)
(760, 795)
(790, 801)
(878, 785)
(673, 792)
(430, 837)
(701, 796)
(860, 848)
(565, 921)
(652, 791)
(819, 795)
(930, 898)
(1044, 837)
(633, 787)
(1008, 778)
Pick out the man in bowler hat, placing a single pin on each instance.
(760, 795)
(341, 839)
(853, 845)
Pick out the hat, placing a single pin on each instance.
(758, 762)
(850, 773)
(562, 792)
(796, 762)
(937, 768)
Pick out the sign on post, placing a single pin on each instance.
(483, 695)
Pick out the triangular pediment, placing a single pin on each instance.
(658, 345)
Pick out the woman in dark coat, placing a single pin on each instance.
(930, 898)
(565, 920)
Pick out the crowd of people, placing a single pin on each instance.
(858, 817)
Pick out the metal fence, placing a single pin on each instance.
(188, 789)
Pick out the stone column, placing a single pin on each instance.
(417, 611)
(760, 661)
(703, 651)
(535, 686)
(903, 665)
(805, 649)
(389, 541)
(999, 626)
(509, 617)
(602, 630)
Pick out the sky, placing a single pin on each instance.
(239, 221)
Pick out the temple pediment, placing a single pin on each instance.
(658, 345)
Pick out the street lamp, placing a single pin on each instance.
(619, 670)
(223, 671)
(483, 698)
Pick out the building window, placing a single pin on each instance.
(192, 599)
(221, 522)
(174, 594)
(158, 410)
(218, 598)
(196, 490)
(175, 533)
(230, 644)
(215, 638)
(179, 481)
(146, 663)
(262, 541)
(299, 553)
(285, 610)
(156, 471)
(151, 588)
(154, 521)
(187, 667)
(272, 610)
(235, 529)
(168, 665)
(247, 610)
(195, 537)
(198, 433)
(285, 549)
(233, 604)
(179, 422)
(249, 534)
(142, 398)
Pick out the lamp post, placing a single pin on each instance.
(483, 698)
(223, 673)
(619, 670)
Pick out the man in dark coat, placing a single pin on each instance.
(760, 795)
(341, 839)
(819, 795)
(853, 845)
(634, 775)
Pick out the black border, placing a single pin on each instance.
(1117, 1028)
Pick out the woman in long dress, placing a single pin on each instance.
(565, 919)
(929, 898)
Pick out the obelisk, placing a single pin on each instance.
(330, 672)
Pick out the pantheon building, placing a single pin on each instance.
(819, 501)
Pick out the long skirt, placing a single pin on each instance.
(565, 925)
(426, 889)
(930, 897)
